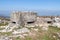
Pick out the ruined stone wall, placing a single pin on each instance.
(23, 18)
(15, 18)
(30, 18)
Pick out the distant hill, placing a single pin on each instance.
(49, 12)
(40, 13)
(4, 14)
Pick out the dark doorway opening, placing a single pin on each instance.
(14, 22)
(30, 22)
(49, 22)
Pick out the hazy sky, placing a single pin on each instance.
(29, 4)
(44, 7)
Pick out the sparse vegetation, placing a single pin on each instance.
(2, 24)
(6, 33)
(28, 38)
(1, 28)
(51, 34)
(46, 35)
(18, 38)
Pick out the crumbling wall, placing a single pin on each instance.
(23, 18)
(15, 18)
(29, 18)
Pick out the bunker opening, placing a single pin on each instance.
(14, 22)
(49, 22)
(31, 22)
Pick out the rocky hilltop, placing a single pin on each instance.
(29, 26)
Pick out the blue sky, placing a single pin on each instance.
(29, 4)
(9, 5)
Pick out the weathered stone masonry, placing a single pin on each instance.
(23, 18)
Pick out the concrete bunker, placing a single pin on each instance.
(31, 22)
(23, 18)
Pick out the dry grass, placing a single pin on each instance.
(44, 35)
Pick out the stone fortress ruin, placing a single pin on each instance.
(29, 24)
(24, 18)
(31, 19)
